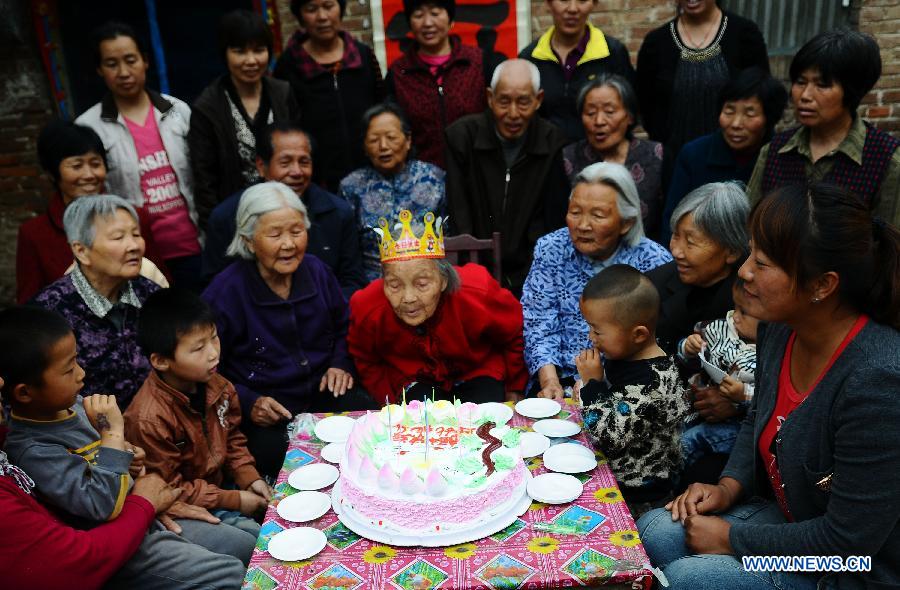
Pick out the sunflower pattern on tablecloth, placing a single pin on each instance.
(603, 547)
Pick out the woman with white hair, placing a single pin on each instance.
(709, 242)
(282, 323)
(101, 297)
(603, 227)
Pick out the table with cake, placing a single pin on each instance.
(431, 494)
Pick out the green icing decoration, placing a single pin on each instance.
(471, 441)
(511, 438)
(501, 462)
(476, 481)
(469, 464)
(378, 437)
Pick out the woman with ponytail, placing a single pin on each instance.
(816, 467)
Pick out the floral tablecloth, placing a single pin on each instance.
(606, 549)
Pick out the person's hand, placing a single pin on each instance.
(155, 490)
(576, 391)
(693, 344)
(337, 381)
(266, 411)
(514, 396)
(732, 389)
(251, 503)
(701, 498)
(137, 468)
(104, 415)
(261, 489)
(712, 406)
(188, 511)
(707, 535)
(589, 365)
(553, 391)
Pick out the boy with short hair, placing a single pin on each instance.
(78, 457)
(633, 400)
(187, 416)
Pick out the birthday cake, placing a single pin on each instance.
(431, 474)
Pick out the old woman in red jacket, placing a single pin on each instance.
(428, 326)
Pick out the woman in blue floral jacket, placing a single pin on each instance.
(603, 227)
(393, 182)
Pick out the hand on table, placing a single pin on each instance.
(553, 391)
(267, 411)
(712, 405)
(261, 489)
(514, 396)
(188, 511)
(589, 365)
(337, 381)
(707, 535)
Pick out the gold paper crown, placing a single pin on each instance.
(408, 246)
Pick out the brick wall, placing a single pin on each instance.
(881, 18)
(25, 107)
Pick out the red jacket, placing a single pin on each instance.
(430, 106)
(188, 450)
(474, 332)
(37, 550)
(43, 253)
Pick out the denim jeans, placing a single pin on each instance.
(665, 545)
(707, 438)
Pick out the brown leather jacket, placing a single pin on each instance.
(193, 452)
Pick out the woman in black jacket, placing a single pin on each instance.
(683, 64)
(335, 79)
(814, 471)
(228, 112)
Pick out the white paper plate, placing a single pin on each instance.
(714, 372)
(569, 458)
(500, 412)
(334, 428)
(555, 428)
(538, 407)
(555, 488)
(304, 506)
(313, 477)
(333, 452)
(297, 543)
(533, 444)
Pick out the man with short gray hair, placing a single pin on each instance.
(505, 170)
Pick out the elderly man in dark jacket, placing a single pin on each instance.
(284, 154)
(505, 170)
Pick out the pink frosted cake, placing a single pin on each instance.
(467, 482)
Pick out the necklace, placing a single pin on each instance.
(702, 44)
(698, 55)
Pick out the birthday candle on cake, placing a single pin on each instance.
(426, 427)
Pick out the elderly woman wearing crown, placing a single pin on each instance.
(433, 327)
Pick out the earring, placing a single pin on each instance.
(815, 299)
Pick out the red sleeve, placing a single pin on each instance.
(28, 275)
(362, 343)
(505, 328)
(38, 551)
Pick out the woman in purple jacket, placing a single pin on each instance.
(282, 321)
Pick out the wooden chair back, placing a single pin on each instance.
(467, 248)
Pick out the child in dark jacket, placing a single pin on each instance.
(633, 399)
